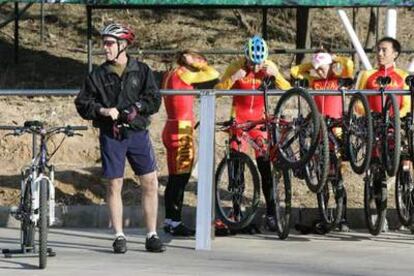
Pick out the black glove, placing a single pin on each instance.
(127, 115)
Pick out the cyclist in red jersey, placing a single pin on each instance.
(192, 70)
(323, 73)
(388, 50)
(247, 73)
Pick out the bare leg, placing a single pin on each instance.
(114, 200)
(149, 184)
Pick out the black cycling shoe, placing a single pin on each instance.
(154, 244)
(270, 223)
(119, 245)
(181, 230)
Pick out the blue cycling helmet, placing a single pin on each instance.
(256, 50)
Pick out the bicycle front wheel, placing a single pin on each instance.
(237, 190)
(27, 226)
(316, 170)
(392, 134)
(359, 135)
(43, 223)
(296, 129)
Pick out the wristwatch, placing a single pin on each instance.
(138, 105)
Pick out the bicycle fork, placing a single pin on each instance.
(35, 188)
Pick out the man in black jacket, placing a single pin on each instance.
(119, 96)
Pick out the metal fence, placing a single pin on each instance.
(205, 185)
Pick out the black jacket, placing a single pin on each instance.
(103, 88)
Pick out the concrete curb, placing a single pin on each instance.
(96, 216)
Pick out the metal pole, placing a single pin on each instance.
(377, 26)
(89, 34)
(34, 145)
(354, 38)
(205, 186)
(42, 21)
(264, 23)
(16, 32)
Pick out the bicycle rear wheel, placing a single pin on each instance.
(392, 133)
(360, 133)
(297, 128)
(281, 179)
(316, 170)
(237, 190)
(43, 223)
(404, 198)
(331, 198)
(375, 199)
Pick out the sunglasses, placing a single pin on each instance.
(108, 43)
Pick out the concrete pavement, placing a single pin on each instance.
(89, 252)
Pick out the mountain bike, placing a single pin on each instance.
(385, 158)
(345, 138)
(404, 181)
(36, 210)
(291, 135)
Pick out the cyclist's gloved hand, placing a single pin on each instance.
(270, 70)
(239, 74)
(127, 115)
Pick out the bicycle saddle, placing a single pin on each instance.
(383, 81)
(409, 80)
(345, 82)
(304, 83)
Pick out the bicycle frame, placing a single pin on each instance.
(240, 132)
(37, 171)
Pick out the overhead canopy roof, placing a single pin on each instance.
(246, 3)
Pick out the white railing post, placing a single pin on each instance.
(205, 184)
(391, 23)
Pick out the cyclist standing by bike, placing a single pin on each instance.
(119, 96)
(192, 70)
(248, 73)
(388, 50)
(323, 73)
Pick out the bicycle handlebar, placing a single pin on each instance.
(37, 127)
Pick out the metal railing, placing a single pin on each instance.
(205, 187)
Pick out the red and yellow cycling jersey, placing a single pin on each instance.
(368, 80)
(329, 105)
(178, 131)
(180, 107)
(249, 107)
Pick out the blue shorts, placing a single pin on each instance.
(137, 148)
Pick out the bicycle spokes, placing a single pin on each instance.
(297, 127)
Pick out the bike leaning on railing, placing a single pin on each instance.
(385, 158)
(404, 180)
(37, 198)
(292, 132)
